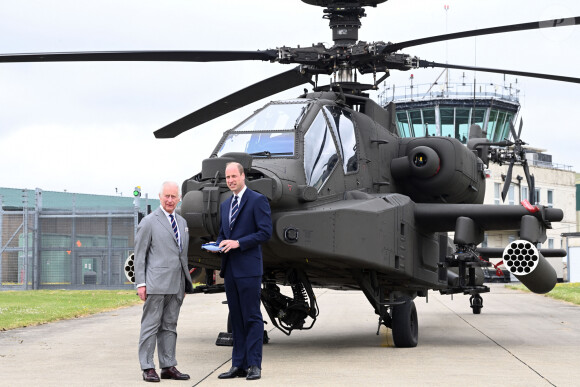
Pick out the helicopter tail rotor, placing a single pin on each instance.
(516, 154)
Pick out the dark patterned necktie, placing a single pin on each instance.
(174, 226)
(234, 212)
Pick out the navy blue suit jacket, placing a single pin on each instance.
(252, 227)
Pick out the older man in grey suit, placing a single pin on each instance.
(162, 279)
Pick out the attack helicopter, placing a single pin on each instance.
(354, 204)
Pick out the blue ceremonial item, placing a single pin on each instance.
(234, 211)
(212, 246)
(174, 226)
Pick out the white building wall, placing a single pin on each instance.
(562, 185)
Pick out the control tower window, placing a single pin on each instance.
(403, 123)
(447, 122)
(320, 155)
(343, 128)
(498, 126)
(267, 133)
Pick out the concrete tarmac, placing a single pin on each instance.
(519, 339)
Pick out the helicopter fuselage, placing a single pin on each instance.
(343, 190)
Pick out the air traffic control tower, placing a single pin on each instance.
(449, 109)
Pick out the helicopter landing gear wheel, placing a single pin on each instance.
(476, 303)
(405, 325)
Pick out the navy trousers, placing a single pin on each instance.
(243, 295)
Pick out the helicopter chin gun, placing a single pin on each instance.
(288, 313)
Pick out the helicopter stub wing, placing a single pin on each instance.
(443, 217)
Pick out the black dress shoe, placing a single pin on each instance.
(149, 375)
(234, 372)
(254, 373)
(173, 373)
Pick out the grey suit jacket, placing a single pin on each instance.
(159, 263)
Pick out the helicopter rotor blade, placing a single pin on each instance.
(570, 21)
(530, 181)
(142, 56)
(253, 93)
(508, 180)
(521, 126)
(513, 131)
(425, 64)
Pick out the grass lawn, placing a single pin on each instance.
(569, 292)
(33, 307)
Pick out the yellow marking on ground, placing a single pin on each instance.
(386, 337)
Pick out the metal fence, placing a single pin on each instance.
(64, 249)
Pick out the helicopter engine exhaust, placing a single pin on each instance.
(525, 262)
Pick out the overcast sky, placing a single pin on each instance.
(88, 127)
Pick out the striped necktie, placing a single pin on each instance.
(234, 212)
(174, 226)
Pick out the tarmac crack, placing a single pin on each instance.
(498, 344)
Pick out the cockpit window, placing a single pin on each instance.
(320, 155)
(268, 133)
(274, 117)
(343, 128)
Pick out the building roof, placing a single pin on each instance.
(13, 199)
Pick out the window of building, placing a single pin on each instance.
(511, 195)
(496, 193)
(478, 117)
(491, 123)
(429, 121)
(447, 122)
(417, 129)
(403, 124)
(550, 198)
(462, 124)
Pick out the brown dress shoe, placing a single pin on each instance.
(173, 373)
(149, 375)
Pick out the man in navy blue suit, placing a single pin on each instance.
(245, 224)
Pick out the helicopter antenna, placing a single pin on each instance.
(446, 49)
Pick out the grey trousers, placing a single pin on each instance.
(159, 326)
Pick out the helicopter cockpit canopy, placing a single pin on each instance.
(329, 140)
(320, 151)
(270, 132)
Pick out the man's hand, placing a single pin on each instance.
(142, 292)
(229, 244)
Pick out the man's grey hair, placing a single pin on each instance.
(172, 183)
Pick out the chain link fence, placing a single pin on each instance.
(70, 248)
